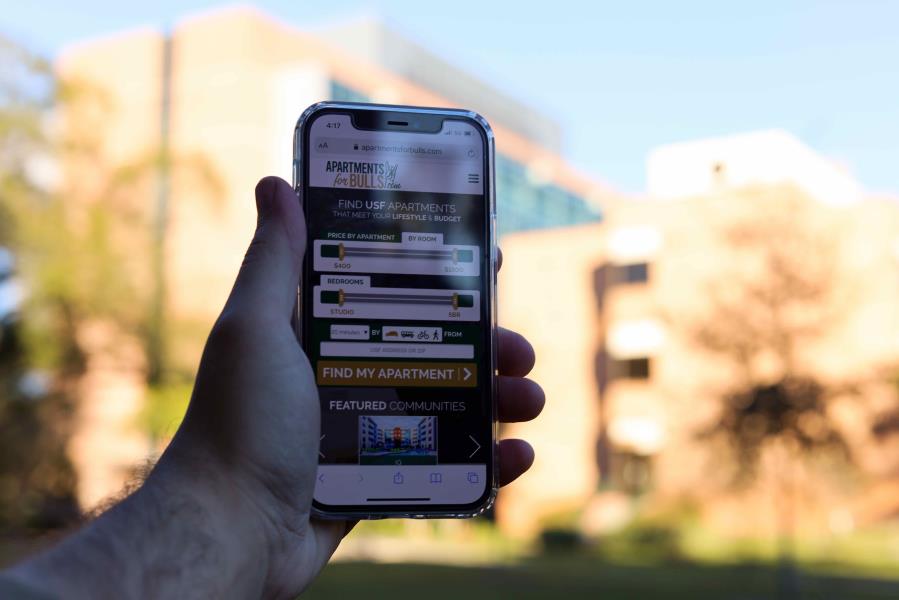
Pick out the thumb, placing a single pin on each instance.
(267, 282)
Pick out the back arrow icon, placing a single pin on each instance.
(476, 444)
(321, 477)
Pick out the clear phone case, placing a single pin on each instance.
(420, 512)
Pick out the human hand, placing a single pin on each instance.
(250, 438)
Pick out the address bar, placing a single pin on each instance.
(372, 149)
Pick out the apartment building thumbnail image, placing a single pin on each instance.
(397, 440)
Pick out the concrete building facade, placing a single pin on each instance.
(220, 94)
(622, 318)
(608, 304)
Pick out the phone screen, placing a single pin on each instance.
(397, 316)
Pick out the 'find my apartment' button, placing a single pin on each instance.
(397, 374)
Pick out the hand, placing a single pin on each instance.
(226, 511)
(254, 414)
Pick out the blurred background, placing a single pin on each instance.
(699, 212)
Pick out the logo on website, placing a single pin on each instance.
(367, 175)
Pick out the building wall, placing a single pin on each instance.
(237, 82)
(653, 411)
(372, 40)
(547, 292)
(763, 157)
(234, 104)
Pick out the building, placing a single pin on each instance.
(388, 433)
(426, 435)
(236, 104)
(221, 93)
(764, 157)
(621, 307)
(371, 436)
(529, 196)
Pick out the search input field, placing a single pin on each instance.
(395, 350)
(408, 150)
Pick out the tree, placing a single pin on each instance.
(780, 296)
(88, 251)
(36, 479)
(779, 293)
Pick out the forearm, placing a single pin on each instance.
(178, 536)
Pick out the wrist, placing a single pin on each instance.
(226, 511)
(274, 527)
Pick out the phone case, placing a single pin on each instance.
(298, 171)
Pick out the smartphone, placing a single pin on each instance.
(397, 307)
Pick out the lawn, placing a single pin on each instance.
(583, 577)
(570, 578)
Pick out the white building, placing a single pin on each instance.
(765, 157)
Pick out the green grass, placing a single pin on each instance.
(583, 577)
(569, 576)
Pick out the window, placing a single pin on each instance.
(629, 472)
(630, 273)
(629, 368)
(523, 204)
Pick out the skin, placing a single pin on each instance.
(225, 513)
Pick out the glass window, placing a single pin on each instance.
(523, 205)
(630, 472)
(629, 368)
(631, 273)
(342, 93)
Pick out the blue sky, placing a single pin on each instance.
(621, 77)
